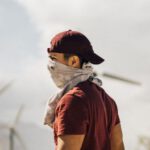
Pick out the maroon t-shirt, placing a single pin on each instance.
(86, 109)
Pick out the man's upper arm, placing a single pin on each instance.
(117, 138)
(70, 142)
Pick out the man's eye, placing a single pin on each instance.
(52, 58)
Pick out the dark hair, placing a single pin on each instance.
(82, 61)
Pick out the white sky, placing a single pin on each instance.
(119, 31)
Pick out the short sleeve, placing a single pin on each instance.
(71, 115)
(116, 119)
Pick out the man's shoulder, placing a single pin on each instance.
(78, 93)
(85, 89)
(74, 99)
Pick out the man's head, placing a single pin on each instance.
(72, 48)
(71, 60)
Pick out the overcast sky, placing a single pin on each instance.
(119, 31)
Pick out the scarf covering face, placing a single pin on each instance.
(66, 77)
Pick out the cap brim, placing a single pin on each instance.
(95, 59)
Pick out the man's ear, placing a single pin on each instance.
(74, 61)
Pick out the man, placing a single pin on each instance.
(82, 115)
